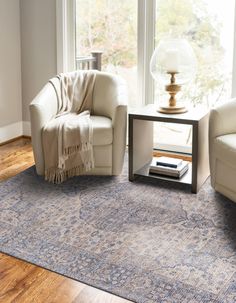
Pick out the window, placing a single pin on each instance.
(209, 27)
(128, 31)
(111, 27)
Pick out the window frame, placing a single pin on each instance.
(233, 93)
(66, 51)
(65, 36)
(145, 44)
(145, 48)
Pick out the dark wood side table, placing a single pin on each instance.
(141, 144)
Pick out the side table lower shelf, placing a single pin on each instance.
(185, 179)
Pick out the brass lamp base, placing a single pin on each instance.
(172, 88)
(177, 109)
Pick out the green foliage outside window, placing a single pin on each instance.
(111, 26)
(192, 20)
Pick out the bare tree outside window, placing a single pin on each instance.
(202, 23)
(209, 27)
(111, 27)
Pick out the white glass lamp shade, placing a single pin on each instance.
(173, 56)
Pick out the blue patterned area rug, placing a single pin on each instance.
(144, 241)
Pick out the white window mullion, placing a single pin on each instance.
(141, 51)
(146, 34)
(234, 58)
(150, 44)
(65, 35)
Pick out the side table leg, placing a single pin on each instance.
(200, 160)
(140, 144)
(130, 146)
(194, 188)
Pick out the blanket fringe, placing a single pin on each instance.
(86, 146)
(57, 176)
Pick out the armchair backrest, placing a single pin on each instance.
(107, 89)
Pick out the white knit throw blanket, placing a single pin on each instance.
(67, 138)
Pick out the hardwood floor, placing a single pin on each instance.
(178, 156)
(21, 282)
(15, 157)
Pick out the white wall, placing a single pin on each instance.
(38, 47)
(28, 58)
(10, 70)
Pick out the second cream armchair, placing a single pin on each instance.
(222, 144)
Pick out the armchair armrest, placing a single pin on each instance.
(110, 100)
(223, 119)
(119, 123)
(119, 138)
(42, 109)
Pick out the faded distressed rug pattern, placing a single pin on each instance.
(145, 241)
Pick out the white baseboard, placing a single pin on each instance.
(11, 131)
(26, 128)
(173, 148)
(14, 130)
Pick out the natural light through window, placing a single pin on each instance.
(115, 28)
(209, 26)
(111, 27)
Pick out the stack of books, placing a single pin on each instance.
(168, 166)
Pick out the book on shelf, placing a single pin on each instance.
(169, 162)
(168, 171)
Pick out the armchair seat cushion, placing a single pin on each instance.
(225, 148)
(102, 130)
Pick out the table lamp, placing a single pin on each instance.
(173, 63)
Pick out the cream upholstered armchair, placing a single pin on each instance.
(109, 118)
(222, 143)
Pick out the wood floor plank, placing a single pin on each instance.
(22, 282)
(87, 295)
(67, 292)
(25, 284)
(8, 276)
(39, 289)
